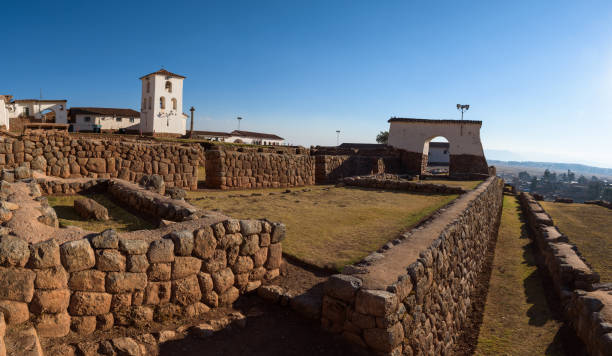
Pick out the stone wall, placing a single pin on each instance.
(384, 182)
(413, 296)
(236, 168)
(61, 155)
(330, 169)
(586, 303)
(104, 280)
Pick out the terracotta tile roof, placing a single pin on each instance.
(255, 135)
(104, 111)
(165, 73)
(211, 133)
(430, 121)
(38, 100)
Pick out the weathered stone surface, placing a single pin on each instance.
(279, 231)
(250, 245)
(44, 254)
(161, 251)
(89, 303)
(51, 278)
(159, 272)
(126, 346)
(22, 172)
(77, 255)
(96, 165)
(48, 216)
(384, 339)
(83, 325)
(204, 242)
(243, 264)
(88, 281)
(196, 309)
(186, 291)
(185, 266)
(17, 284)
(106, 239)
(137, 263)
(104, 321)
(260, 257)
(121, 282)
(343, 287)
(222, 279)
(183, 242)
(13, 251)
(53, 325)
(250, 227)
(27, 342)
(110, 261)
(206, 282)
(50, 301)
(264, 239)
(216, 262)
(307, 305)
(88, 208)
(375, 302)
(133, 247)
(275, 256)
(229, 296)
(157, 293)
(14, 312)
(232, 226)
(271, 293)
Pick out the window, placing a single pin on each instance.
(131, 119)
(148, 86)
(162, 102)
(61, 107)
(173, 103)
(26, 111)
(150, 103)
(168, 86)
(144, 104)
(87, 119)
(119, 119)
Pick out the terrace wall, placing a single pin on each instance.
(61, 155)
(586, 303)
(244, 168)
(414, 296)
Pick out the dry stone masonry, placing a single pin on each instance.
(402, 301)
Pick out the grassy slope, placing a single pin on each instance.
(328, 228)
(120, 219)
(589, 228)
(517, 319)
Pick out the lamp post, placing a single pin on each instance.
(462, 108)
(337, 137)
(239, 119)
(192, 109)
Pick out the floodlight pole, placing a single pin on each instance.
(192, 109)
(337, 137)
(239, 119)
(462, 108)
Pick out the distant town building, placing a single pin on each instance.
(438, 154)
(248, 137)
(86, 119)
(15, 113)
(161, 110)
(210, 135)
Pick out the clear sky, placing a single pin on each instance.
(537, 73)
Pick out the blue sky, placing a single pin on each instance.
(537, 73)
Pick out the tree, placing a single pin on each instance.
(382, 137)
(582, 180)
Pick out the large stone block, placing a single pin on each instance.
(204, 242)
(384, 339)
(186, 291)
(133, 247)
(96, 165)
(17, 284)
(53, 325)
(159, 272)
(157, 293)
(244, 264)
(375, 302)
(88, 208)
(106, 239)
(275, 256)
(137, 263)
(343, 287)
(50, 301)
(77, 255)
(183, 242)
(223, 279)
(121, 282)
(51, 278)
(229, 296)
(44, 254)
(110, 261)
(88, 281)
(161, 251)
(185, 266)
(14, 251)
(89, 303)
(250, 227)
(14, 312)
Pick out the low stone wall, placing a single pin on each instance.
(413, 296)
(382, 182)
(586, 303)
(94, 283)
(330, 169)
(603, 203)
(62, 155)
(236, 168)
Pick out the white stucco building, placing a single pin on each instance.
(4, 113)
(87, 119)
(31, 110)
(438, 153)
(161, 110)
(254, 138)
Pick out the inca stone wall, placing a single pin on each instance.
(587, 304)
(234, 168)
(61, 155)
(92, 284)
(413, 297)
(330, 169)
(389, 182)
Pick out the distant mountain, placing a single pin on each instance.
(574, 167)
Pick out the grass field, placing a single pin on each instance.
(467, 184)
(326, 226)
(589, 227)
(517, 319)
(120, 219)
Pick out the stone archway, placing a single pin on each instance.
(466, 153)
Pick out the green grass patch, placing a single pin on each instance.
(517, 319)
(589, 228)
(327, 226)
(120, 218)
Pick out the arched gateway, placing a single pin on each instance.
(414, 135)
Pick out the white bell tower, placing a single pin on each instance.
(161, 106)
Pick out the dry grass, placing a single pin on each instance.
(465, 184)
(120, 219)
(326, 226)
(589, 228)
(517, 319)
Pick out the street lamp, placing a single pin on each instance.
(463, 108)
(337, 137)
(192, 109)
(239, 119)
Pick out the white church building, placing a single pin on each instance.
(31, 110)
(161, 110)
